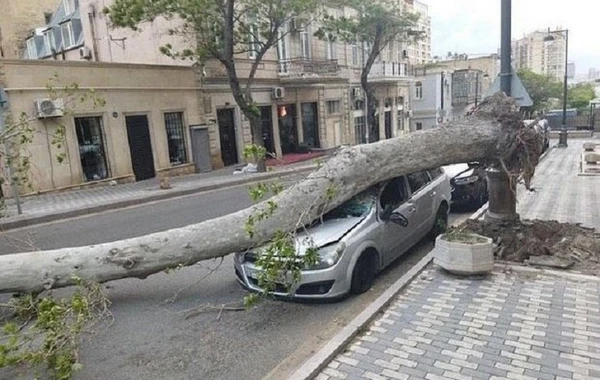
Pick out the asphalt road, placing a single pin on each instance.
(151, 338)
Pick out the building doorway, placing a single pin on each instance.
(288, 128)
(266, 118)
(140, 147)
(388, 124)
(92, 151)
(226, 121)
(310, 125)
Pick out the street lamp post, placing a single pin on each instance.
(562, 136)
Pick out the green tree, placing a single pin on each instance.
(221, 30)
(374, 27)
(541, 88)
(580, 95)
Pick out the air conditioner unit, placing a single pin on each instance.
(85, 52)
(357, 93)
(278, 93)
(47, 108)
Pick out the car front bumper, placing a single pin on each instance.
(329, 283)
(463, 195)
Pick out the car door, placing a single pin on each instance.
(421, 201)
(394, 238)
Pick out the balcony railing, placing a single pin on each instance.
(382, 70)
(304, 67)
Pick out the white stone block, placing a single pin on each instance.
(465, 258)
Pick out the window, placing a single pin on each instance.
(360, 130)
(435, 173)
(69, 6)
(92, 154)
(419, 90)
(253, 42)
(175, 138)
(49, 43)
(417, 180)
(333, 107)
(419, 126)
(68, 39)
(359, 105)
(31, 49)
(401, 120)
(330, 47)
(394, 194)
(305, 44)
(354, 54)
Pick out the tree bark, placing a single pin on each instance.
(352, 170)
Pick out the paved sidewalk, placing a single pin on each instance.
(517, 323)
(508, 326)
(71, 203)
(560, 194)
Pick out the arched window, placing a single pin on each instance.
(419, 90)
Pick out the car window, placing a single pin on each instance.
(435, 173)
(394, 194)
(417, 180)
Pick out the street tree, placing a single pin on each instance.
(222, 30)
(495, 131)
(374, 26)
(580, 95)
(540, 87)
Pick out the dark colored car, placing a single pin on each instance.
(469, 184)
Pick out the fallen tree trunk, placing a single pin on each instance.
(487, 135)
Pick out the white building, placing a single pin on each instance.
(534, 52)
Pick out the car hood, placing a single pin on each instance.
(328, 232)
(458, 170)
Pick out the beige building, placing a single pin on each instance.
(18, 19)
(420, 52)
(308, 92)
(149, 125)
(542, 57)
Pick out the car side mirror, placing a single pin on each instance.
(399, 219)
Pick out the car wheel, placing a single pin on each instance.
(363, 274)
(441, 222)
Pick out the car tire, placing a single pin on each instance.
(363, 274)
(441, 222)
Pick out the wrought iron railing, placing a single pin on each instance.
(304, 67)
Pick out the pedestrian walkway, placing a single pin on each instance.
(70, 203)
(517, 323)
(560, 193)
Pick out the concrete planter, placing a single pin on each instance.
(473, 255)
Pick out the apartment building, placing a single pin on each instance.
(420, 52)
(308, 92)
(534, 52)
(17, 20)
(488, 67)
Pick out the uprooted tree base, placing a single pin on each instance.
(539, 240)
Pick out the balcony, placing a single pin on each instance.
(388, 71)
(306, 69)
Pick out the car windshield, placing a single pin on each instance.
(356, 207)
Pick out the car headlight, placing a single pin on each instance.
(329, 256)
(467, 180)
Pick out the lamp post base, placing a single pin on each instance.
(562, 139)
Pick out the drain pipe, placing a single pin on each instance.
(91, 18)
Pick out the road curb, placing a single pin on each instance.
(10, 225)
(321, 358)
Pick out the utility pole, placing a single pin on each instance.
(15, 187)
(502, 189)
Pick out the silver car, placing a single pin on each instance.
(362, 236)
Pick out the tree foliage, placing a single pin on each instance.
(374, 26)
(580, 95)
(222, 30)
(540, 87)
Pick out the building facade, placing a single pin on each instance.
(441, 95)
(18, 19)
(534, 52)
(420, 52)
(487, 66)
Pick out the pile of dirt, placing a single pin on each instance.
(539, 241)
